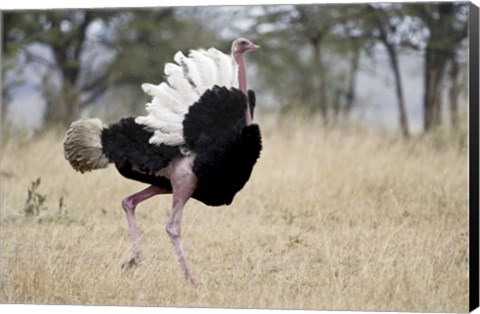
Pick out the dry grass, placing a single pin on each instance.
(329, 220)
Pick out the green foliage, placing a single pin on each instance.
(95, 51)
(64, 33)
(316, 48)
(62, 216)
(144, 40)
(35, 202)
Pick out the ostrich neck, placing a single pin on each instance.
(242, 82)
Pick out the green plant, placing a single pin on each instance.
(63, 216)
(35, 201)
(35, 204)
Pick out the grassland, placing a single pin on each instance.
(342, 219)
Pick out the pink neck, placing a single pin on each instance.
(242, 81)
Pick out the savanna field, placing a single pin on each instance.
(348, 218)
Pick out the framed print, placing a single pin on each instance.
(299, 156)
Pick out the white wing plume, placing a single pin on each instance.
(185, 82)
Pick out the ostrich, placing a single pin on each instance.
(197, 140)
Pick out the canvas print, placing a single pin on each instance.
(300, 156)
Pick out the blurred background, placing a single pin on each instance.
(397, 67)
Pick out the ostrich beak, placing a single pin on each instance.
(252, 46)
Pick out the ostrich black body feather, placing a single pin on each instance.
(214, 129)
(125, 143)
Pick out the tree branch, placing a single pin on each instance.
(32, 57)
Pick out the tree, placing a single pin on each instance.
(446, 24)
(93, 52)
(315, 24)
(386, 23)
(316, 48)
(69, 73)
(143, 41)
(7, 63)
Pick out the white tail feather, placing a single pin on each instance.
(165, 96)
(190, 71)
(164, 126)
(223, 66)
(170, 138)
(185, 82)
(205, 66)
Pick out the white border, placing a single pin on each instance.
(55, 4)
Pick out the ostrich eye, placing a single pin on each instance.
(243, 42)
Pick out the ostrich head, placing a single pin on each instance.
(242, 45)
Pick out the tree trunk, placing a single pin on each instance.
(71, 101)
(350, 96)
(392, 54)
(322, 97)
(435, 63)
(454, 92)
(399, 91)
(63, 105)
(336, 104)
(445, 37)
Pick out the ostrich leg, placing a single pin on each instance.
(184, 183)
(129, 204)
